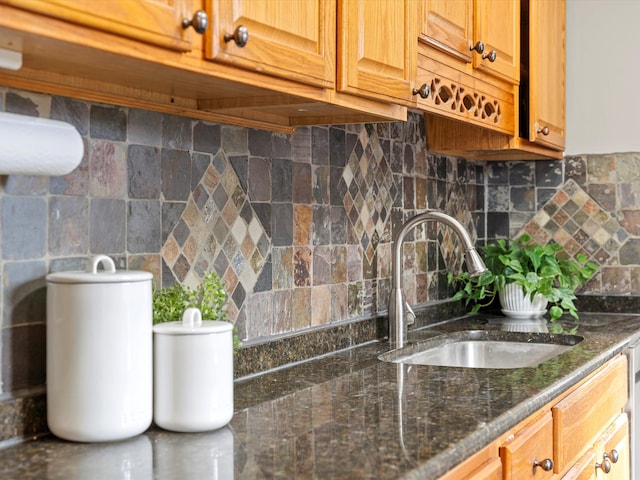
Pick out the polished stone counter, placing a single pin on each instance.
(343, 415)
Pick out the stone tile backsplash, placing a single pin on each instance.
(298, 226)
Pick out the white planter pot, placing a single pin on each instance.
(516, 304)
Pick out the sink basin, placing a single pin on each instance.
(484, 349)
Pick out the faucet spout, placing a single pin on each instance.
(397, 305)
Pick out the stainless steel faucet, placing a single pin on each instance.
(398, 307)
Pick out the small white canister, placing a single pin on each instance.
(193, 373)
(99, 353)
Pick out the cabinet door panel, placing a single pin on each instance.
(616, 438)
(546, 73)
(583, 469)
(532, 443)
(497, 25)
(158, 22)
(294, 40)
(447, 26)
(584, 414)
(377, 46)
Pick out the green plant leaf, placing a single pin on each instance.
(544, 269)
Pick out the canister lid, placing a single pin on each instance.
(192, 324)
(93, 275)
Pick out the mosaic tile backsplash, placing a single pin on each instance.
(299, 226)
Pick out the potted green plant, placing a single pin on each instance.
(210, 297)
(539, 273)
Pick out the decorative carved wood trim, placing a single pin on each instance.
(466, 103)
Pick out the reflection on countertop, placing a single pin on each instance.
(344, 415)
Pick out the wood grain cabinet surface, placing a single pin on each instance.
(295, 40)
(144, 54)
(157, 22)
(510, 109)
(583, 434)
(377, 49)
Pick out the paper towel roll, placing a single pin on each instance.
(38, 146)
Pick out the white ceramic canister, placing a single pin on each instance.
(99, 353)
(193, 373)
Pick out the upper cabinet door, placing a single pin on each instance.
(546, 73)
(157, 22)
(448, 26)
(285, 38)
(497, 25)
(377, 49)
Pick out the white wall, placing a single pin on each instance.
(603, 76)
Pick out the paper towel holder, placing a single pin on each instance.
(10, 59)
(38, 146)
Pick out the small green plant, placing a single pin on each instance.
(537, 268)
(210, 296)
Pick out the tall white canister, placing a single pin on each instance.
(193, 373)
(99, 353)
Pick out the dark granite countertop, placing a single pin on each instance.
(343, 415)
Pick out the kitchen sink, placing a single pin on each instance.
(484, 349)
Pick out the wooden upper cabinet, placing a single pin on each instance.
(289, 39)
(448, 26)
(456, 27)
(497, 24)
(546, 120)
(377, 49)
(157, 22)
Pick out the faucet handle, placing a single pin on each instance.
(410, 314)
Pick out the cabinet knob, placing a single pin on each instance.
(605, 466)
(543, 130)
(198, 22)
(613, 455)
(240, 36)
(478, 47)
(423, 91)
(491, 56)
(546, 464)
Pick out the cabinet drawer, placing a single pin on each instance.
(583, 415)
(615, 445)
(533, 443)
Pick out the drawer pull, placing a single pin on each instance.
(544, 130)
(478, 47)
(240, 36)
(492, 55)
(546, 464)
(423, 91)
(198, 22)
(613, 456)
(605, 466)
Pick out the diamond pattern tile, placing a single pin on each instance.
(219, 231)
(370, 192)
(575, 221)
(450, 246)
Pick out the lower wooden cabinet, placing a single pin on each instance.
(584, 414)
(484, 465)
(608, 458)
(583, 434)
(529, 452)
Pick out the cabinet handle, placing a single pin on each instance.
(546, 464)
(543, 130)
(478, 47)
(491, 56)
(198, 22)
(605, 466)
(423, 91)
(240, 36)
(613, 456)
